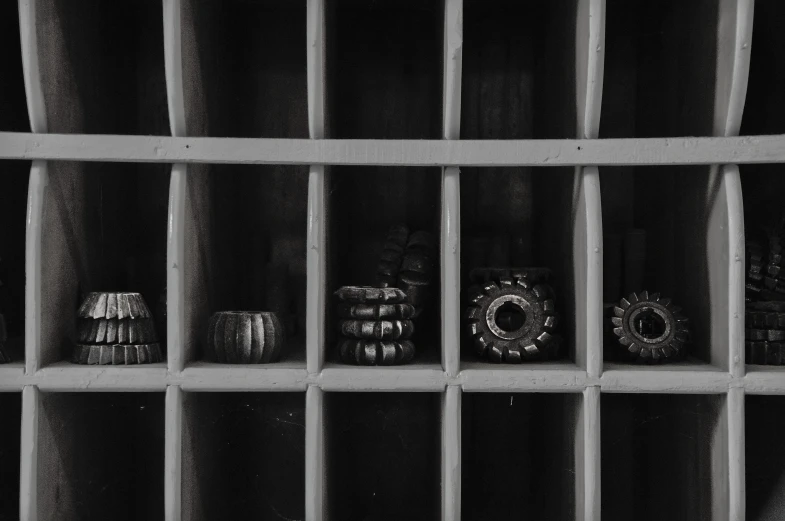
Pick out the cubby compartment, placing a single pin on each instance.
(10, 433)
(104, 228)
(764, 108)
(518, 72)
(100, 456)
(519, 456)
(521, 218)
(384, 69)
(383, 456)
(244, 68)
(14, 176)
(243, 456)
(660, 65)
(765, 457)
(13, 106)
(102, 66)
(664, 457)
(763, 192)
(245, 234)
(363, 203)
(663, 233)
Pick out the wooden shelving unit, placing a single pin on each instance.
(200, 147)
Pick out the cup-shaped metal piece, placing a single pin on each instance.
(245, 337)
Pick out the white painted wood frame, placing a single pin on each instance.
(588, 378)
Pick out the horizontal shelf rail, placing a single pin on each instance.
(529, 152)
(64, 377)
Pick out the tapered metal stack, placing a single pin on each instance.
(116, 329)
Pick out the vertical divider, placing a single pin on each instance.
(314, 454)
(28, 471)
(451, 453)
(588, 483)
(451, 264)
(736, 454)
(39, 179)
(315, 501)
(734, 45)
(316, 256)
(451, 189)
(175, 246)
(587, 255)
(175, 259)
(173, 452)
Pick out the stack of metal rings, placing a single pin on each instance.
(116, 329)
(765, 333)
(765, 302)
(407, 263)
(375, 326)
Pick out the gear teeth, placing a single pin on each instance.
(542, 291)
(474, 328)
(473, 313)
(654, 297)
(548, 307)
(624, 304)
(505, 282)
(523, 283)
(619, 312)
(491, 289)
(513, 356)
(665, 302)
(644, 296)
(543, 339)
(550, 323)
(616, 321)
(494, 354)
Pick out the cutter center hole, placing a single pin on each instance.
(650, 325)
(510, 317)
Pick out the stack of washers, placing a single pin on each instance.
(375, 326)
(765, 303)
(116, 329)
